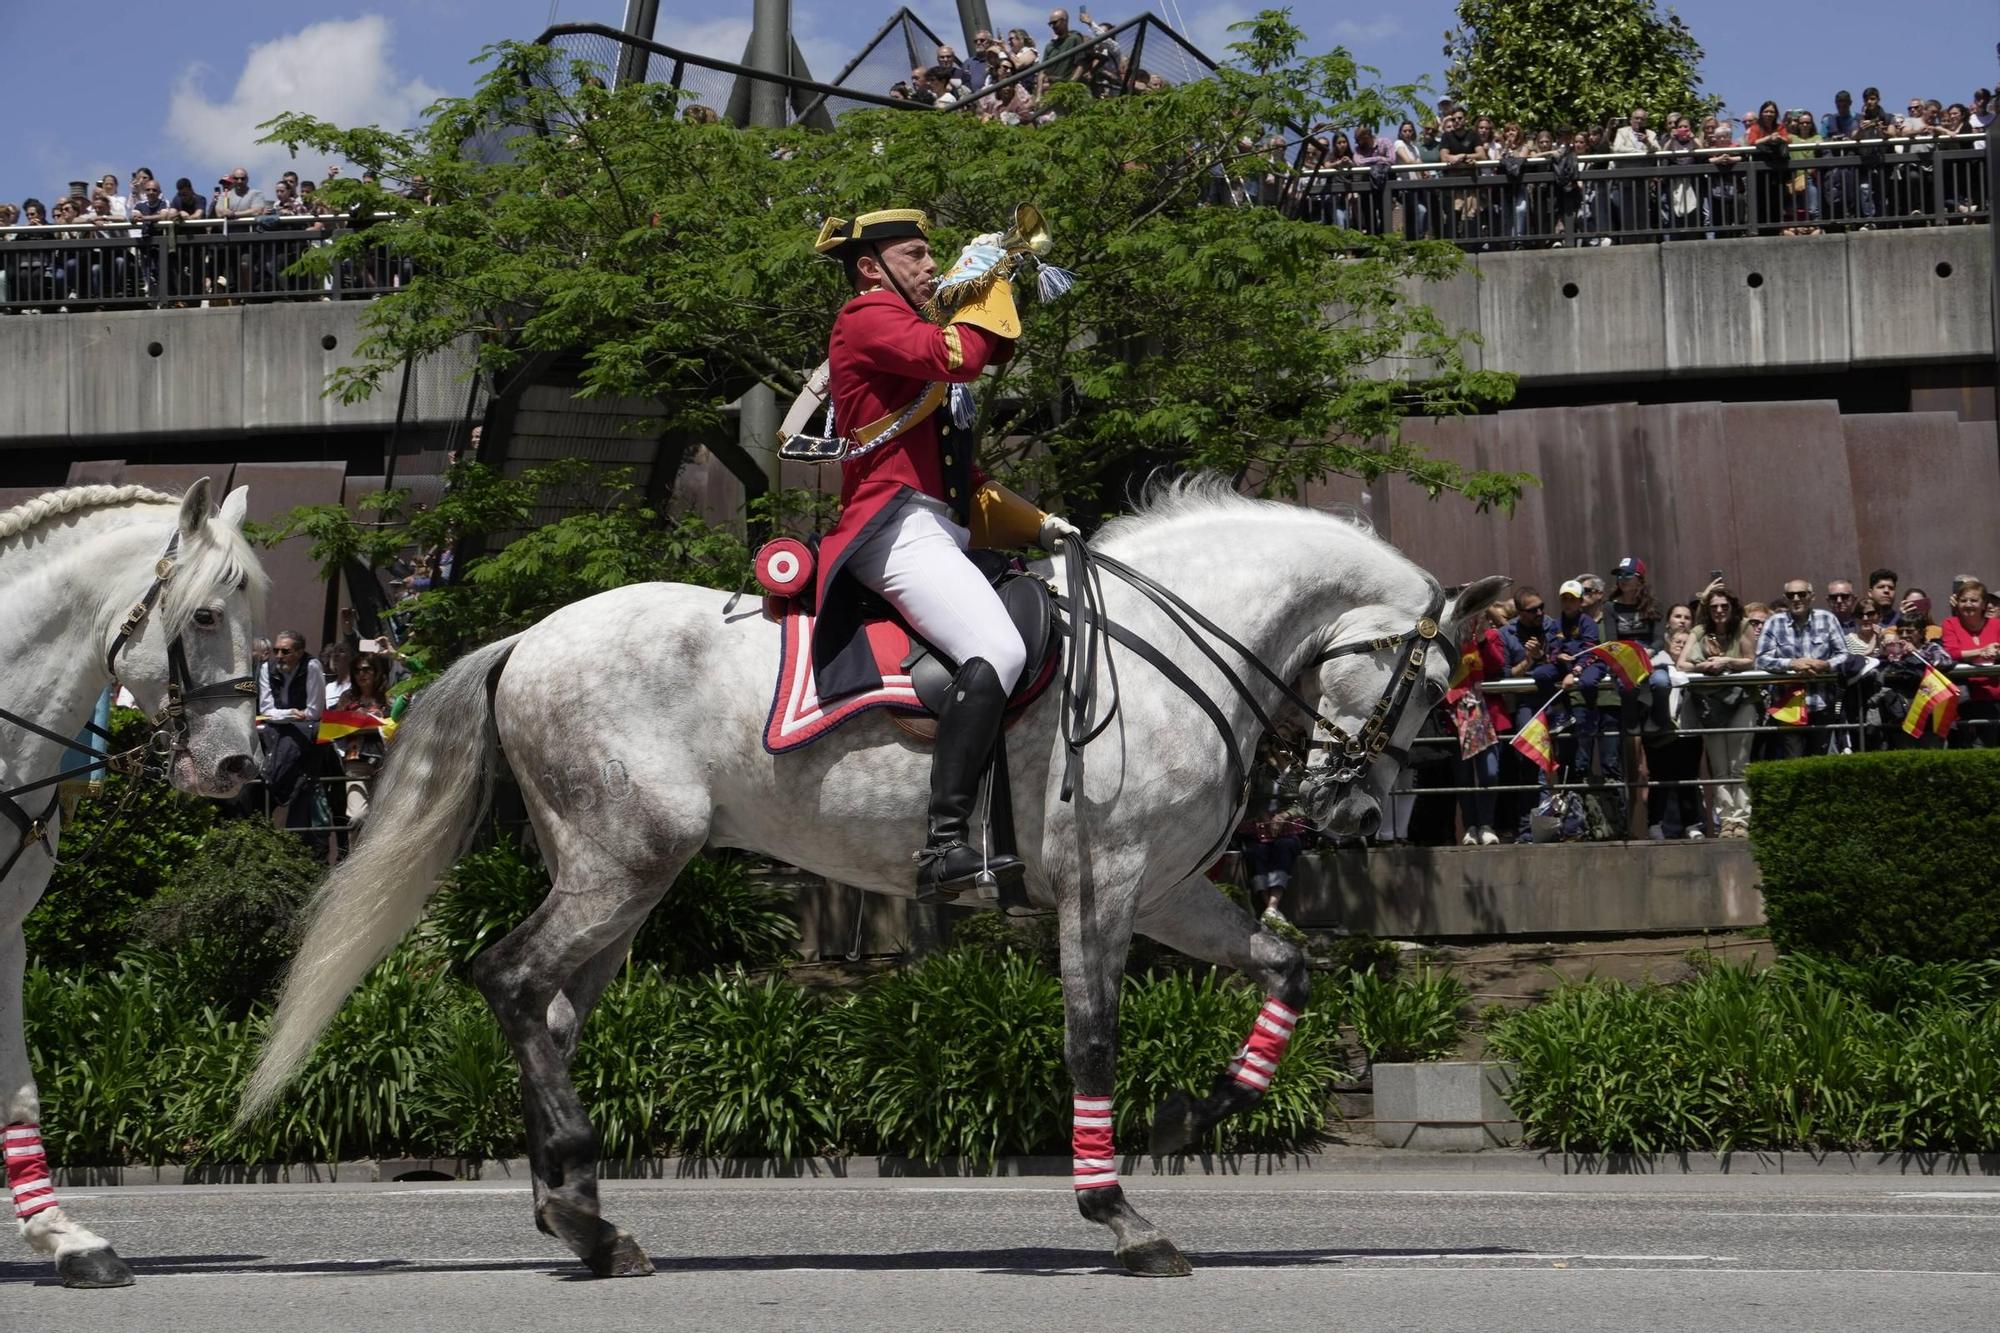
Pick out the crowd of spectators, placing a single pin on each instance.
(1467, 177)
(1007, 78)
(43, 268)
(1732, 679)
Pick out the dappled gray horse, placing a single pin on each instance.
(100, 583)
(632, 721)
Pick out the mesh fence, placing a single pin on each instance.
(906, 45)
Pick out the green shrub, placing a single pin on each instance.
(1179, 1030)
(715, 916)
(1866, 855)
(115, 855)
(228, 915)
(1790, 1058)
(960, 1056)
(1397, 1020)
(754, 1071)
(95, 1037)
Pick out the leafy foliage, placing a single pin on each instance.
(750, 1075)
(678, 256)
(1887, 1057)
(1841, 880)
(116, 854)
(1550, 64)
(714, 916)
(960, 1056)
(228, 915)
(1417, 1018)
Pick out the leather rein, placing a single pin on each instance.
(1088, 625)
(170, 725)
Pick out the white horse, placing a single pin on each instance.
(100, 582)
(633, 722)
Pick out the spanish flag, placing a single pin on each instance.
(1533, 741)
(1936, 703)
(1469, 670)
(1790, 708)
(335, 723)
(1629, 661)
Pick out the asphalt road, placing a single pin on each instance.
(1409, 1252)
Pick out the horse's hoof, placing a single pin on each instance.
(623, 1259)
(90, 1269)
(1155, 1258)
(1173, 1125)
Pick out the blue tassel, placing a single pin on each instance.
(1051, 282)
(963, 410)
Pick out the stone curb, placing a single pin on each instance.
(1354, 1160)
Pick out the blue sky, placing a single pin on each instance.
(115, 84)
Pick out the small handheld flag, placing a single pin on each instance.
(1790, 708)
(336, 723)
(1936, 703)
(1533, 741)
(1630, 662)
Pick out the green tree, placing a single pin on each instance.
(1554, 63)
(678, 256)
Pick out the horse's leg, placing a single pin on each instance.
(83, 1258)
(590, 911)
(1195, 918)
(1094, 945)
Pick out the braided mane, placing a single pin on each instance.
(43, 508)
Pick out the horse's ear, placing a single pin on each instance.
(1475, 597)
(236, 508)
(194, 507)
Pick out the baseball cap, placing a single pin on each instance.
(1570, 588)
(1630, 567)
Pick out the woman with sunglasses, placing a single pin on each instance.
(362, 752)
(1725, 640)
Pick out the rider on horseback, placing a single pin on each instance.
(912, 502)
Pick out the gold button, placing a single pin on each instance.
(947, 460)
(954, 492)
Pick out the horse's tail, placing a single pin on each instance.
(421, 817)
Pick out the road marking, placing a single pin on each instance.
(442, 1190)
(1893, 1217)
(1947, 1194)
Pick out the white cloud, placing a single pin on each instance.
(338, 70)
(1366, 32)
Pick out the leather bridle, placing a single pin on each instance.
(170, 725)
(1087, 624)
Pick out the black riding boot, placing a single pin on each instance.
(968, 724)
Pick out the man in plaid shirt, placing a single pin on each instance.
(1808, 642)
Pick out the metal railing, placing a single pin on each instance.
(1680, 194)
(1848, 732)
(140, 265)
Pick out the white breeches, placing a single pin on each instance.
(917, 563)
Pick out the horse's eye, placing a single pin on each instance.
(207, 618)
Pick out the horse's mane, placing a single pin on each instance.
(219, 558)
(1166, 499)
(43, 508)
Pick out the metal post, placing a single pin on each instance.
(770, 53)
(641, 18)
(972, 17)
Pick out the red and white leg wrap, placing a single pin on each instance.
(1091, 1157)
(27, 1170)
(1257, 1062)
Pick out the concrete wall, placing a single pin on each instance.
(1529, 892)
(219, 372)
(1725, 307)
(1762, 491)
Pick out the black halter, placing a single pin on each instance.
(170, 726)
(1083, 603)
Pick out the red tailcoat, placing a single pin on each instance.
(882, 357)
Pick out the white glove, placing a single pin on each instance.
(1054, 530)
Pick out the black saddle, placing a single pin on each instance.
(1030, 604)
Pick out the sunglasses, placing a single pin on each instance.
(1804, 592)
(1754, 623)
(1840, 597)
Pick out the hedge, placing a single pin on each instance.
(1880, 854)
(957, 1056)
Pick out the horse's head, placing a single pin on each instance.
(186, 655)
(1384, 668)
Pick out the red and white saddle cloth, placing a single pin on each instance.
(797, 716)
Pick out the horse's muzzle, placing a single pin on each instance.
(1355, 815)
